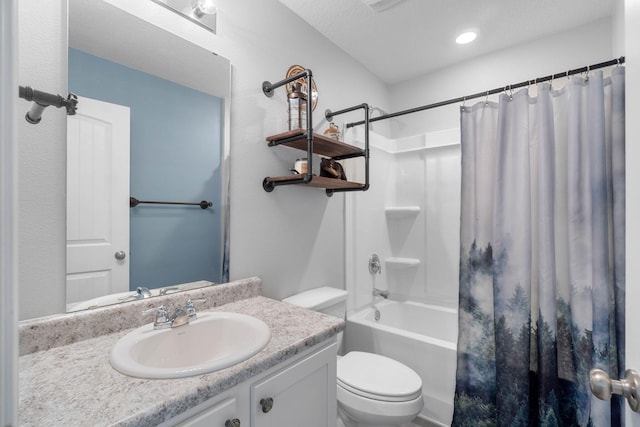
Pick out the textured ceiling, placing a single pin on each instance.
(415, 37)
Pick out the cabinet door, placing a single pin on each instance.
(303, 394)
(223, 414)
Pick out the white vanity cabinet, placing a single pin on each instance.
(299, 392)
(303, 394)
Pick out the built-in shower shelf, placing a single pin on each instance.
(399, 263)
(399, 212)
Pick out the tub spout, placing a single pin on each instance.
(378, 293)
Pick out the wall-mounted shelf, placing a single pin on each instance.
(312, 143)
(322, 145)
(399, 212)
(400, 263)
(316, 181)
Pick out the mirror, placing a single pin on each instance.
(152, 124)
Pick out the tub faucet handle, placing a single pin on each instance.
(374, 264)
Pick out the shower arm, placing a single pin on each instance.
(42, 100)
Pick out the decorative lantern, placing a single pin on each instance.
(297, 101)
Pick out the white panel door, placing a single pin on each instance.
(97, 200)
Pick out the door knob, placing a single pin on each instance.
(603, 387)
(120, 255)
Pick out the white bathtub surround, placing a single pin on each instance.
(421, 336)
(74, 384)
(413, 206)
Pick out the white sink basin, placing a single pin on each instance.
(214, 341)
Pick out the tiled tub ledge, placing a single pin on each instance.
(53, 331)
(75, 385)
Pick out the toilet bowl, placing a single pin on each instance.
(372, 390)
(375, 390)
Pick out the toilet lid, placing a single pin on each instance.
(378, 377)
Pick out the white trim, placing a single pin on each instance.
(632, 137)
(8, 215)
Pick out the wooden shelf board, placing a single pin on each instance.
(318, 181)
(322, 145)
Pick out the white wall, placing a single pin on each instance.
(8, 216)
(42, 58)
(572, 49)
(292, 237)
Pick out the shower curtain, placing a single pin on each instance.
(542, 255)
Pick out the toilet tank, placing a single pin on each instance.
(328, 300)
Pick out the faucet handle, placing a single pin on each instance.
(162, 316)
(190, 309)
(374, 264)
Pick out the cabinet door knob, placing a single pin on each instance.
(232, 423)
(266, 404)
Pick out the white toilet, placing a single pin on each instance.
(373, 390)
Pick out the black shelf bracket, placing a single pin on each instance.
(329, 115)
(268, 88)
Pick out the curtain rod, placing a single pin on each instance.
(486, 93)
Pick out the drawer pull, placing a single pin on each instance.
(266, 404)
(232, 423)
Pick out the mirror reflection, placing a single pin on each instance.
(149, 126)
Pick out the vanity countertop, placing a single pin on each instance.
(75, 385)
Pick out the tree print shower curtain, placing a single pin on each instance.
(542, 255)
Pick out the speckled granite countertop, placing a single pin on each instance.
(75, 385)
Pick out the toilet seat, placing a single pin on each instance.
(377, 377)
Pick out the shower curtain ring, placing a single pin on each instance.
(486, 99)
(510, 92)
(586, 74)
(464, 101)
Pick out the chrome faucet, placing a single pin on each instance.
(378, 293)
(141, 293)
(180, 317)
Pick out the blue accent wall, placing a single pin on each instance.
(176, 139)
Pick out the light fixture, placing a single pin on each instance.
(201, 12)
(380, 5)
(466, 37)
(204, 7)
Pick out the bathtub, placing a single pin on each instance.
(422, 337)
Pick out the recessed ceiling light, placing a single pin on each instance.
(465, 38)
